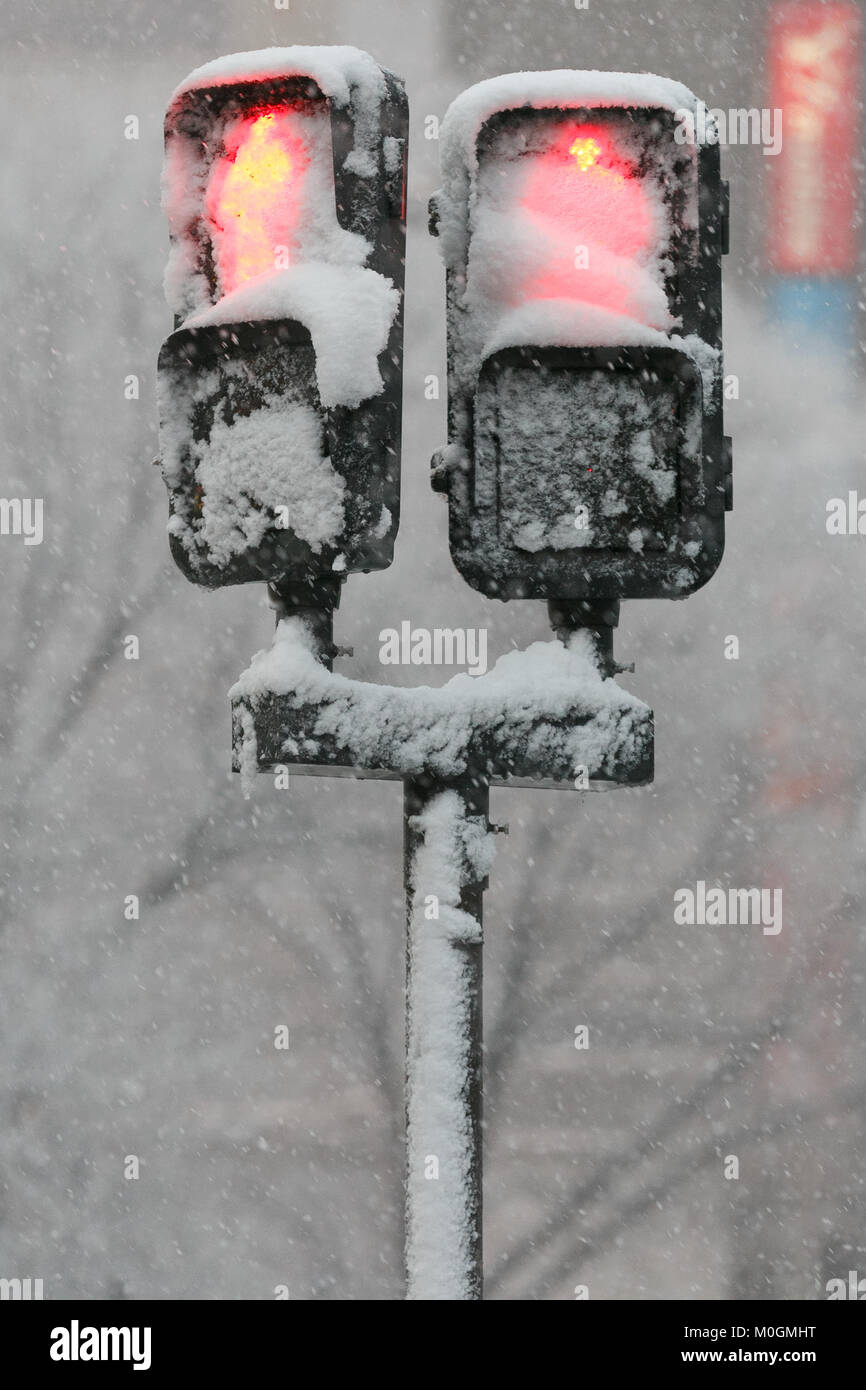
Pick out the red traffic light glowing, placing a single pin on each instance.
(586, 151)
(591, 212)
(253, 197)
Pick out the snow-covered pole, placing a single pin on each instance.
(549, 716)
(447, 855)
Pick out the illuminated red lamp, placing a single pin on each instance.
(582, 197)
(253, 197)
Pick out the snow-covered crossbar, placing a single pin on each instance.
(544, 716)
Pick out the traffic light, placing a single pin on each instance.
(280, 388)
(582, 229)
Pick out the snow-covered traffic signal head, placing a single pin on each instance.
(280, 388)
(582, 226)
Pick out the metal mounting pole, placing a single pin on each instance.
(314, 600)
(599, 619)
(446, 858)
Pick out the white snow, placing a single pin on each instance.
(178, 394)
(561, 87)
(269, 459)
(566, 323)
(348, 311)
(454, 849)
(708, 360)
(249, 751)
(336, 69)
(616, 444)
(392, 150)
(409, 729)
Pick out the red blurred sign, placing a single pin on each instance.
(814, 65)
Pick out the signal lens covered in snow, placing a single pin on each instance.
(253, 198)
(619, 431)
(575, 210)
(249, 187)
(586, 205)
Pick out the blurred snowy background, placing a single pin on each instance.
(155, 1037)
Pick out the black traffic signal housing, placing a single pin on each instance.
(267, 480)
(586, 460)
